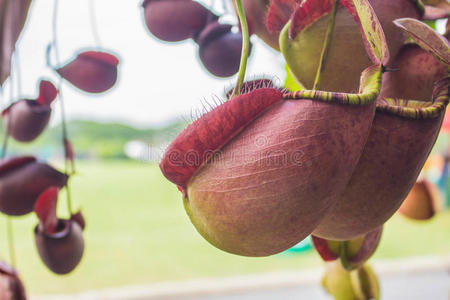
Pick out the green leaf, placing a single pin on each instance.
(290, 83)
(430, 23)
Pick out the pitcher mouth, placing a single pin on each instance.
(415, 109)
(63, 229)
(370, 85)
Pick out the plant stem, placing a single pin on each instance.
(6, 129)
(5, 143)
(69, 199)
(64, 141)
(54, 26)
(10, 235)
(343, 254)
(245, 47)
(93, 20)
(17, 71)
(326, 46)
(9, 230)
(63, 114)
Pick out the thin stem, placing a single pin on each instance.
(212, 4)
(10, 235)
(343, 254)
(245, 47)
(65, 138)
(2, 98)
(63, 118)
(17, 71)
(9, 229)
(54, 26)
(6, 130)
(5, 143)
(69, 199)
(64, 141)
(225, 6)
(5, 139)
(11, 88)
(326, 46)
(3, 12)
(64, 135)
(93, 20)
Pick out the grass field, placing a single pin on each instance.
(137, 232)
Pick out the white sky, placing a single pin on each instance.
(158, 82)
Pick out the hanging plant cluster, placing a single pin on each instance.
(219, 48)
(336, 159)
(28, 184)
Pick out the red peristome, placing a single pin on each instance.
(201, 139)
(91, 71)
(322, 247)
(307, 13)
(279, 13)
(101, 57)
(47, 92)
(15, 162)
(45, 209)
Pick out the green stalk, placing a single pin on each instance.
(64, 136)
(10, 235)
(5, 142)
(343, 255)
(326, 46)
(9, 229)
(94, 27)
(245, 47)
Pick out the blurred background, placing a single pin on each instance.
(137, 231)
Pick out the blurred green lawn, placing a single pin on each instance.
(137, 232)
